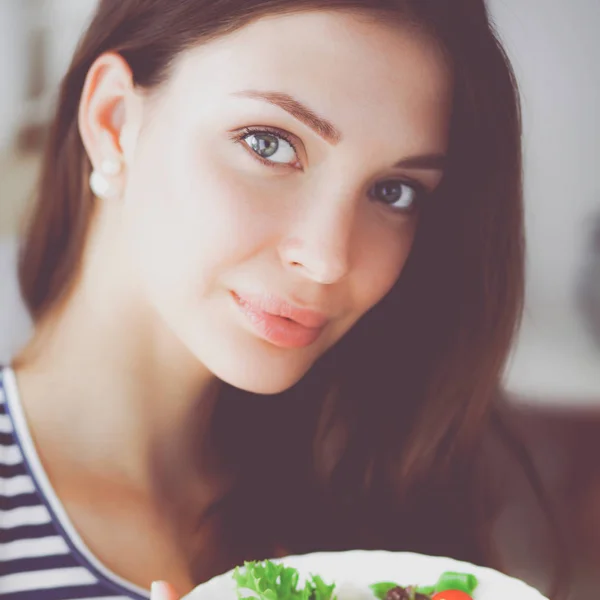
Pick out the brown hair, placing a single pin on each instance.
(409, 393)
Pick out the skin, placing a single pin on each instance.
(150, 330)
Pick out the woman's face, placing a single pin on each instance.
(283, 166)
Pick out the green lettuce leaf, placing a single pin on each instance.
(267, 580)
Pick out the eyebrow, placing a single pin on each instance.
(318, 124)
(328, 131)
(425, 162)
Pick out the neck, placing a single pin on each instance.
(109, 380)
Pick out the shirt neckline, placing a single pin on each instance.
(59, 515)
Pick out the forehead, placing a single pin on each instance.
(363, 74)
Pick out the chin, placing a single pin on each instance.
(258, 369)
(245, 361)
(260, 379)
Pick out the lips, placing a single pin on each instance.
(280, 322)
(279, 308)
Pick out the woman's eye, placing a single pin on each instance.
(270, 147)
(398, 195)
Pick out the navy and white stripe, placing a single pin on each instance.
(41, 555)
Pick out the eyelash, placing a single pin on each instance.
(244, 133)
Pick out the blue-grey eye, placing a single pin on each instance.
(271, 147)
(396, 194)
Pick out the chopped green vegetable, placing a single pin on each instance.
(464, 582)
(381, 589)
(427, 590)
(270, 581)
(267, 580)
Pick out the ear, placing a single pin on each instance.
(109, 122)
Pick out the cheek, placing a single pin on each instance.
(382, 259)
(189, 221)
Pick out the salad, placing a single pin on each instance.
(267, 580)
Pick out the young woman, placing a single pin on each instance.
(275, 265)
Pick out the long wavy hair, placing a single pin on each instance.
(381, 444)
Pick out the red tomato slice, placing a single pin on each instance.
(452, 595)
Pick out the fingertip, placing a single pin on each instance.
(161, 590)
(157, 590)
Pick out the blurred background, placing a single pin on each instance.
(553, 380)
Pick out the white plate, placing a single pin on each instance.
(354, 571)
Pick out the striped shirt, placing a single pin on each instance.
(41, 555)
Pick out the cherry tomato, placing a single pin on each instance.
(452, 595)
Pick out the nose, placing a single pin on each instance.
(318, 244)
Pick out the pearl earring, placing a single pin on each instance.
(99, 180)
